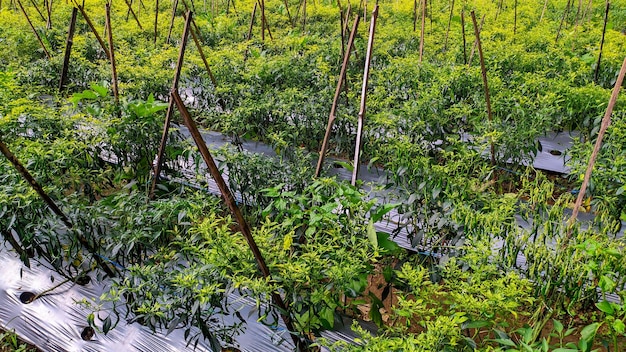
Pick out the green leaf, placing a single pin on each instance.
(106, 325)
(371, 234)
(382, 211)
(558, 326)
(589, 332)
(606, 307)
(100, 90)
(385, 243)
(606, 284)
(618, 326)
(505, 342)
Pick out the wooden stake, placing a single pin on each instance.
(606, 121)
(156, 21)
(68, 49)
(414, 15)
(37, 9)
(485, 85)
(515, 19)
(543, 11)
(4, 149)
(263, 20)
(333, 109)
(170, 107)
(480, 29)
(252, 20)
(107, 13)
(368, 60)
(236, 212)
(445, 46)
(422, 30)
(464, 40)
(49, 11)
(130, 8)
(193, 31)
(34, 30)
(558, 33)
(169, 32)
(93, 28)
(606, 18)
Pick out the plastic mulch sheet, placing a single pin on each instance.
(56, 322)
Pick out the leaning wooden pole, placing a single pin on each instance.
(485, 85)
(93, 28)
(195, 31)
(249, 36)
(565, 12)
(333, 109)
(480, 29)
(112, 52)
(170, 107)
(169, 32)
(596, 74)
(130, 8)
(68, 49)
(606, 121)
(422, 30)
(234, 209)
(445, 45)
(156, 21)
(34, 30)
(4, 149)
(360, 122)
(464, 39)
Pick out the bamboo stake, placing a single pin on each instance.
(414, 15)
(606, 18)
(515, 19)
(289, 14)
(252, 20)
(201, 51)
(234, 209)
(68, 49)
(333, 109)
(464, 40)
(93, 28)
(445, 46)
(156, 21)
(558, 33)
(480, 29)
(130, 8)
(498, 10)
(37, 9)
(606, 121)
(4, 149)
(485, 85)
(543, 11)
(368, 60)
(107, 13)
(422, 30)
(34, 30)
(170, 107)
(263, 20)
(169, 32)
(49, 11)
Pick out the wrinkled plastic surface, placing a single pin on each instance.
(54, 322)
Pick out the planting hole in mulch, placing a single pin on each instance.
(556, 152)
(27, 297)
(87, 333)
(83, 280)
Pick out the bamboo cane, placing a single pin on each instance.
(606, 121)
(606, 18)
(464, 40)
(34, 30)
(169, 32)
(170, 107)
(485, 85)
(234, 209)
(368, 60)
(92, 27)
(68, 49)
(4, 149)
(333, 109)
(445, 46)
(107, 12)
(422, 30)
(480, 29)
(156, 21)
(130, 8)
